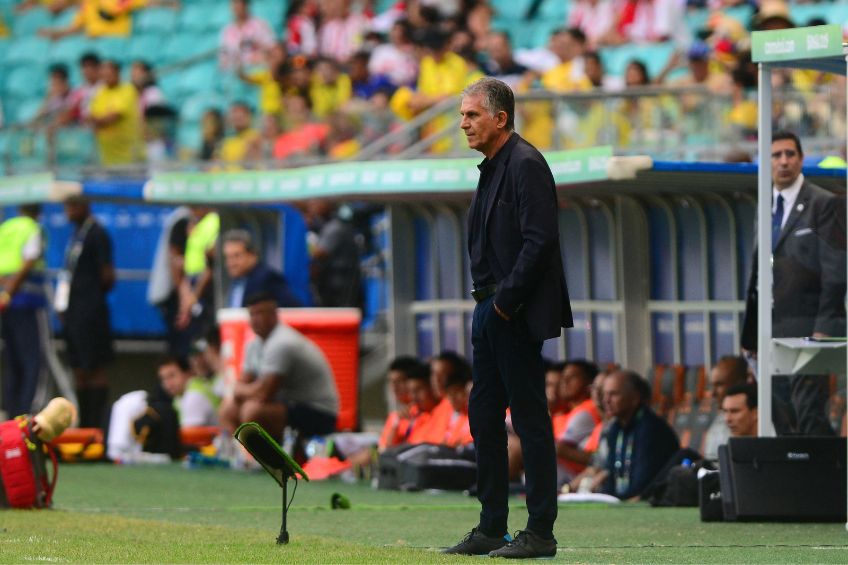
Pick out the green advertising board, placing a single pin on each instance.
(798, 43)
(26, 188)
(419, 177)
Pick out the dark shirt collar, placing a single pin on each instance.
(501, 155)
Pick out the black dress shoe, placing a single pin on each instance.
(476, 543)
(526, 545)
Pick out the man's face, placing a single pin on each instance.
(397, 380)
(90, 72)
(598, 391)
(238, 260)
(552, 378)
(439, 370)
(263, 318)
(498, 48)
(173, 379)
(239, 8)
(719, 382)
(741, 420)
(481, 128)
(786, 162)
(619, 399)
(58, 83)
(565, 47)
(458, 397)
(110, 74)
(421, 394)
(240, 118)
(76, 212)
(572, 387)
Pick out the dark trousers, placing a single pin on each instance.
(23, 359)
(508, 371)
(799, 405)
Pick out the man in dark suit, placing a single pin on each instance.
(250, 276)
(522, 299)
(808, 257)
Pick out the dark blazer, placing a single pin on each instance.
(265, 279)
(521, 241)
(653, 441)
(809, 271)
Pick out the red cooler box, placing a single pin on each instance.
(334, 330)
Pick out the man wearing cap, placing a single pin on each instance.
(80, 299)
(23, 314)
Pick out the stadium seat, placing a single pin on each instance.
(169, 83)
(193, 108)
(27, 24)
(27, 50)
(145, 47)
(185, 45)
(26, 110)
(27, 150)
(75, 146)
(68, 50)
(202, 77)
(513, 10)
(272, 11)
(188, 139)
(696, 19)
(741, 13)
(199, 18)
(115, 48)
(25, 82)
(555, 11)
(162, 21)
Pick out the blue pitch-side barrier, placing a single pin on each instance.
(135, 230)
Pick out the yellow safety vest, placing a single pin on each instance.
(14, 234)
(201, 239)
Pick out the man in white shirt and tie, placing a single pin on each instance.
(808, 261)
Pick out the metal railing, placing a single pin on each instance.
(688, 123)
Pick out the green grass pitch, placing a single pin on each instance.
(148, 514)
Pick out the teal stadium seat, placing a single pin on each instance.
(75, 146)
(115, 48)
(68, 50)
(27, 151)
(193, 108)
(169, 83)
(184, 45)
(742, 13)
(199, 78)
(696, 19)
(188, 139)
(27, 51)
(832, 13)
(25, 82)
(145, 47)
(27, 110)
(207, 17)
(653, 55)
(4, 47)
(27, 24)
(162, 21)
(554, 11)
(272, 11)
(514, 10)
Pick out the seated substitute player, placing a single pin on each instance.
(457, 389)
(398, 421)
(285, 381)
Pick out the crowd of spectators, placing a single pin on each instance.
(341, 76)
